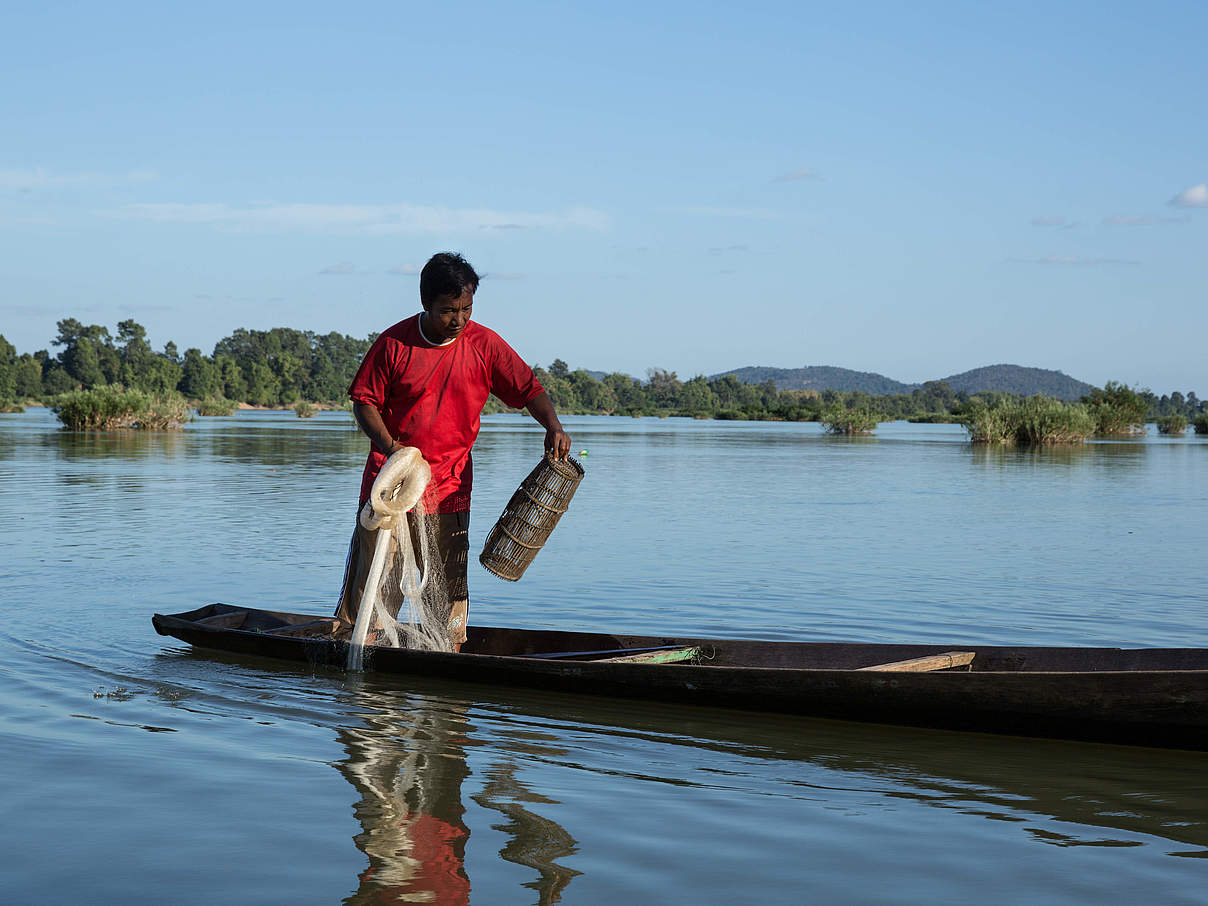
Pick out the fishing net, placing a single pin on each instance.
(405, 600)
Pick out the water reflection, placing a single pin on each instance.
(407, 762)
(1107, 456)
(1062, 793)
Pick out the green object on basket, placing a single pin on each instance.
(530, 516)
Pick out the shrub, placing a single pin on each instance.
(1044, 420)
(8, 407)
(990, 424)
(217, 405)
(1172, 424)
(1201, 423)
(1117, 409)
(113, 407)
(1037, 420)
(838, 420)
(304, 409)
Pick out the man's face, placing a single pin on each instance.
(448, 316)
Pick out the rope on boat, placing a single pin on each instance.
(398, 489)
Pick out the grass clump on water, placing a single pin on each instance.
(839, 420)
(1172, 424)
(217, 405)
(1033, 421)
(113, 407)
(304, 409)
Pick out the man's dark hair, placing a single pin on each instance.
(446, 274)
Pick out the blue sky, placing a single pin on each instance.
(913, 189)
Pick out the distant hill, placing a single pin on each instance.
(1001, 378)
(820, 377)
(1023, 381)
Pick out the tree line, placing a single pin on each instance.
(285, 367)
(726, 397)
(277, 367)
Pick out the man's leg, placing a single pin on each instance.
(356, 572)
(453, 546)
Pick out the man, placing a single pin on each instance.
(423, 384)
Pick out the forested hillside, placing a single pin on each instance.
(1012, 379)
(1019, 381)
(819, 378)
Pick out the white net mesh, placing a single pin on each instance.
(396, 585)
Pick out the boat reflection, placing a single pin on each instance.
(407, 761)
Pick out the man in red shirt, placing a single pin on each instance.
(423, 384)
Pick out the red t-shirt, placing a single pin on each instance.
(431, 397)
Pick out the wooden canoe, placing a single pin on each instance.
(1144, 696)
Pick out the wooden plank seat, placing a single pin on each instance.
(662, 654)
(325, 628)
(945, 661)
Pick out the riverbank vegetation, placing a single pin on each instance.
(284, 368)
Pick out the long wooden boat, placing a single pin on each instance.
(1144, 696)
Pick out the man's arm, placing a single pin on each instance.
(370, 421)
(557, 441)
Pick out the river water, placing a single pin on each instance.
(139, 770)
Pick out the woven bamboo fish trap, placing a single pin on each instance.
(530, 516)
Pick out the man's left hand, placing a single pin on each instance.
(557, 443)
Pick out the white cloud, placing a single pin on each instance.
(38, 178)
(371, 219)
(339, 270)
(1059, 223)
(1195, 197)
(404, 270)
(716, 211)
(1072, 261)
(1142, 220)
(797, 175)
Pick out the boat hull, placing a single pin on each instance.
(1154, 697)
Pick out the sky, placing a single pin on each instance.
(911, 189)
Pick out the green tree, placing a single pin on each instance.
(663, 388)
(629, 394)
(198, 375)
(232, 383)
(102, 355)
(263, 387)
(1117, 408)
(83, 364)
(27, 378)
(8, 369)
(697, 397)
(593, 396)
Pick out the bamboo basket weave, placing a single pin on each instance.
(530, 516)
